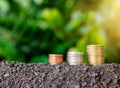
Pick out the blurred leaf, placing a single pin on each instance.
(53, 17)
(76, 19)
(81, 46)
(38, 2)
(96, 37)
(42, 58)
(4, 6)
(43, 25)
(7, 46)
(73, 49)
(62, 47)
(24, 4)
(46, 26)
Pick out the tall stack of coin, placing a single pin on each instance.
(55, 59)
(95, 54)
(75, 58)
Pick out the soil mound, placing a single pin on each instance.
(44, 75)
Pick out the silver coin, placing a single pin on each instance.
(75, 54)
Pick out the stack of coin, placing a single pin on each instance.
(75, 58)
(95, 54)
(55, 59)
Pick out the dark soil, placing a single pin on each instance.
(21, 75)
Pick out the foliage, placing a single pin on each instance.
(31, 29)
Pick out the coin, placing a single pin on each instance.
(55, 59)
(95, 54)
(96, 63)
(75, 54)
(75, 58)
(96, 57)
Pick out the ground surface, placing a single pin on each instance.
(21, 75)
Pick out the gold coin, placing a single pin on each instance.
(95, 54)
(94, 46)
(96, 57)
(96, 62)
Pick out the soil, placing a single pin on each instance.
(44, 75)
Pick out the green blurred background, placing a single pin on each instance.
(31, 29)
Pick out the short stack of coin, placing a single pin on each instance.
(75, 58)
(95, 54)
(55, 59)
